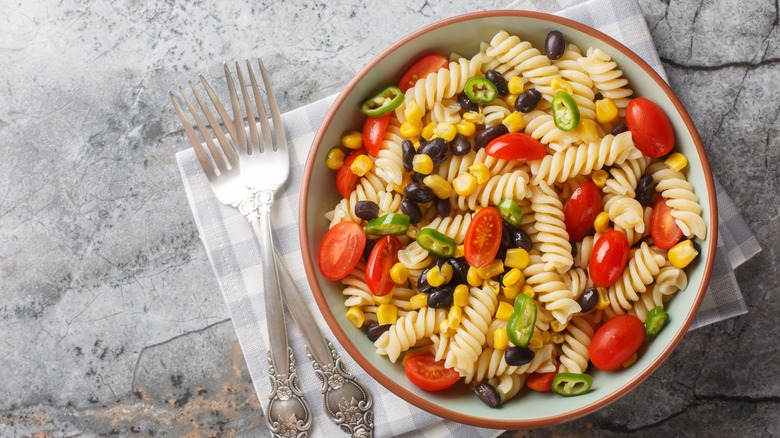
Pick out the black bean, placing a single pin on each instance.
(527, 100)
(507, 240)
(499, 81)
(409, 208)
(554, 45)
(598, 96)
(418, 192)
(374, 330)
(488, 135)
(488, 394)
(465, 103)
(436, 149)
(408, 154)
(366, 210)
(517, 356)
(440, 297)
(588, 299)
(619, 129)
(442, 206)
(573, 249)
(460, 145)
(418, 177)
(422, 282)
(370, 243)
(460, 270)
(520, 239)
(645, 190)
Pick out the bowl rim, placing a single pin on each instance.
(421, 402)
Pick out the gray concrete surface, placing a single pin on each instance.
(111, 322)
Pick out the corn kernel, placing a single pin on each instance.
(513, 276)
(601, 222)
(600, 177)
(465, 184)
(427, 131)
(606, 111)
(630, 361)
(587, 130)
(677, 161)
(418, 301)
(480, 172)
(434, 277)
(413, 112)
(454, 316)
(504, 310)
(356, 316)
(560, 84)
(465, 128)
(474, 117)
(514, 122)
(384, 299)
(335, 158)
(447, 272)
(447, 131)
(556, 326)
(510, 100)
(386, 314)
(510, 292)
(682, 254)
(515, 85)
(460, 297)
(491, 269)
(528, 291)
(517, 258)
(438, 185)
(603, 301)
(352, 140)
(537, 340)
(473, 278)
(411, 129)
(399, 274)
(362, 165)
(422, 163)
(416, 143)
(500, 339)
(459, 252)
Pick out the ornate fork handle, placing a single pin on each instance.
(288, 413)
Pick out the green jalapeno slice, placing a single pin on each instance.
(520, 326)
(480, 90)
(438, 243)
(655, 321)
(566, 114)
(391, 223)
(571, 384)
(510, 212)
(384, 102)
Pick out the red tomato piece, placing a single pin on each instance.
(609, 257)
(516, 146)
(581, 210)
(424, 371)
(340, 250)
(663, 228)
(382, 258)
(483, 237)
(422, 68)
(541, 382)
(616, 341)
(346, 180)
(650, 127)
(374, 129)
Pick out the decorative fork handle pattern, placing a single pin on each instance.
(288, 413)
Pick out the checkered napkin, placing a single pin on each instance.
(235, 254)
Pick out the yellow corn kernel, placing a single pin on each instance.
(600, 177)
(630, 361)
(473, 278)
(601, 222)
(454, 317)
(460, 297)
(510, 100)
(399, 274)
(434, 277)
(560, 84)
(446, 272)
(515, 85)
(411, 129)
(362, 165)
(603, 301)
(514, 122)
(386, 314)
(384, 299)
(416, 143)
(447, 131)
(537, 340)
(335, 158)
(500, 339)
(517, 258)
(491, 269)
(587, 130)
(438, 185)
(606, 111)
(422, 163)
(677, 161)
(480, 171)
(513, 276)
(356, 316)
(557, 338)
(459, 252)
(413, 112)
(427, 131)
(465, 128)
(474, 117)
(528, 291)
(418, 301)
(557, 326)
(682, 254)
(465, 184)
(352, 140)
(504, 311)
(510, 292)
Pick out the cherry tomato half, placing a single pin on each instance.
(650, 127)
(616, 341)
(609, 257)
(340, 250)
(422, 68)
(424, 371)
(541, 382)
(663, 228)
(516, 146)
(374, 129)
(346, 180)
(483, 237)
(581, 210)
(382, 258)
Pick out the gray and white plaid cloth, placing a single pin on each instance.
(235, 254)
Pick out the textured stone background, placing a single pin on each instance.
(111, 322)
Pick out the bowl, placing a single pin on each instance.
(463, 34)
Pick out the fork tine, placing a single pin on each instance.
(203, 158)
(238, 133)
(227, 148)
(229, 123)
(204, 132)
(260, 108)
(281, 142)
(250, 115)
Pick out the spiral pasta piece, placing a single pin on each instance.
(355, 288)
(508, 386)
(641, 270)
(496, 112)
(627, 213)
(466, 344)
(577, 280)
(508, 52)
(455, 166)
(512, 185)
(389, 163)
(491, 363)
(574, 349)
(679, 196)
(607, 78)
(552, 291)
(553, 239)
(453, 226)
(407, 330)
(415, 258)
(581, 83)
(541, 126)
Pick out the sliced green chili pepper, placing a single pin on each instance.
(520, 326)
(656, 320)
(384, 102)
(510, 212)
(480, 90)
(565, 112)
(436, 242)
(391, 223)
(571, 384)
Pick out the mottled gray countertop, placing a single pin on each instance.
(111, 322)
